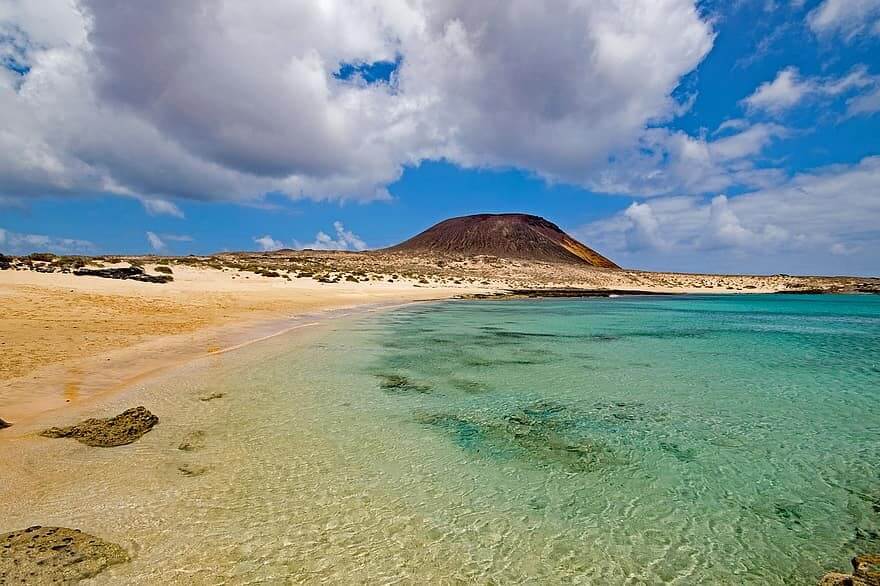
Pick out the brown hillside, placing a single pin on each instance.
(517, 236)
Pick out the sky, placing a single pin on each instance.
(734, 136)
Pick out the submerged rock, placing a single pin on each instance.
(396, 383)
(211, 397)
(866, 572)
(48, 555)
(836, 579)
(545, 433)
(125, 428)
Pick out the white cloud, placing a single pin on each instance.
(841, 249)
(19, 243)
(831, 210)
(156, 207)
(219, 100)
(178, 237)
(789, 89)
(345, 240)
(864, 104)
(780, 94)
(267, 243)
(848, 18)
(669, 161)
(156, 243)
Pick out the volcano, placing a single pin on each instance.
(513, 236)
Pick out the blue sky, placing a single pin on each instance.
(717, 136)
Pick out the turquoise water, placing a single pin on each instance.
(692, 439)
(653, 440)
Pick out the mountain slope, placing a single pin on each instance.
(516, 236)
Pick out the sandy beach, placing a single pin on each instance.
(66, 339)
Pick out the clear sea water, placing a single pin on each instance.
(649, 440)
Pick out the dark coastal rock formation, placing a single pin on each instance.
(4, 424)
(5, 262)
(132, 273)
(575, 292)
(123, 429)
(866, 572)
(514, 236)
(54, 555)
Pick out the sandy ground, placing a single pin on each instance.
(66, 340)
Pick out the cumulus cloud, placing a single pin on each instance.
(669, 161)
(789, 89)
(831, 210)
(345, 240)
(19, 243)
(267, 243)
(848, 18)
(220, 100)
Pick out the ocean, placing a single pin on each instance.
(631, 440)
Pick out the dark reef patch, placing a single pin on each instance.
(545, 433)
(681, 454)
(470, 386)
(400, 384)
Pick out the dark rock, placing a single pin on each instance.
(123, 429)
(132, 273)
(50, 555)
(4, 424)
(212, 396)
(5, 262)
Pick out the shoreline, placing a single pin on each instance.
(64, 388)
(69, 340)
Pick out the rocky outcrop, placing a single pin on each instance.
(132, 273)
(866, 572)
(54, 555)
(125, 428)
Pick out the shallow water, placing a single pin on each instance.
(723, 440)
